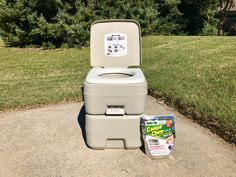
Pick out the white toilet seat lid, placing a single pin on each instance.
(96, 76)
(115, 43)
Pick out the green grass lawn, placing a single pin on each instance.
(31, 77)
(197, 73)
(194, 72)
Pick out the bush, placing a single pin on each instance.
(171, 21)
(197, 14)
(57, 23)
(209, 30)
(35, 22)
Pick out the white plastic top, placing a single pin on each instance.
(97, 75)
(115, 43)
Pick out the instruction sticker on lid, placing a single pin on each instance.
(115, 44)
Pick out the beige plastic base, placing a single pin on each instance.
(98, 97)
(113, 131)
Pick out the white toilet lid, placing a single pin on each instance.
(115, 43)
(97, 75)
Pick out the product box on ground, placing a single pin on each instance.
(158, 135)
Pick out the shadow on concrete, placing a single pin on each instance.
(81, 122)
(142, 148)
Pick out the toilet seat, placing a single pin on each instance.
(99, 75)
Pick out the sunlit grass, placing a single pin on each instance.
(199, 72)
(31, 77)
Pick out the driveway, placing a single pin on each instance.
(48, 142)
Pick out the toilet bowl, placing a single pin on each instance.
(115, 76)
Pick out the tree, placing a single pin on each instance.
(198, 15)
(58, 23)
(171, 21)
(23, 22)
(225, 6)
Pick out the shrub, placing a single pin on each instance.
(209, 30)
(57, 23)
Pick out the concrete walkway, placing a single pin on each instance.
(48, 142)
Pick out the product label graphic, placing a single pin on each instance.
(158, 134)
(115, 44)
